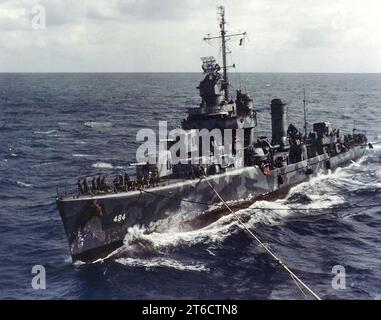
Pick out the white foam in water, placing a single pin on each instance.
(45, 132)
(94, 124)
(161, 262)
(81, 155)
(103, 165)
(23, 184)
(317, 190)
(321, 191)
(43, 164)
(141, 238)
(267, 212)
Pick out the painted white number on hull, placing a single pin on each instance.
(119, 218)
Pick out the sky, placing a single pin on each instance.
(167, 35)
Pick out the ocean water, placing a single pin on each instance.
(55, 128)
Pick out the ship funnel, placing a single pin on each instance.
(278, 122)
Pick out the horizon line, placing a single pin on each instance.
(174, 72)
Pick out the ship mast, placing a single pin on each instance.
(223, 36)
(305, 114)
(223, 46)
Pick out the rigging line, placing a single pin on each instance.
(278, 260)
(208, 42)
(298, 286)
(233, 73)
(240, 68)
(244, 66)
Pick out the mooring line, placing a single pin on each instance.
(278, 260)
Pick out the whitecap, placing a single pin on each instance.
(94, 124)
(103, 165)
(43, 164)
(23, 184)
(321, 191)
(81, 155)
(142, 240)
(79, 142)
(210, 252)
(45, 132)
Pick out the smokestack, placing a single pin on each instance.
(278, 122)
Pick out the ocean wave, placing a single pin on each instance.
(139, 239)
(376, 146)
(141, 242)
(81, 155)
(23, 184)
(43, 164)
(94, 124)
(103, 165)
(160, 262)
(45, 132)
(79, 142)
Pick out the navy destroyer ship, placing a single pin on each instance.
(98, 216)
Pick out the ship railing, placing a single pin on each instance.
(65, 192)
(74, 192)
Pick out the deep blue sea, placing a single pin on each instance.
(55, 128)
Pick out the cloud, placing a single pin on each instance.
(166, 35)
(315, 38)
(157, 10)
(12, 17)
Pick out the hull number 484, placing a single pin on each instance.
(119, 217)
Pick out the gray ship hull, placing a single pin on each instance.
(96, 225)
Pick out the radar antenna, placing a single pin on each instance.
(209, 65)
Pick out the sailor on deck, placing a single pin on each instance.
(80, 189)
